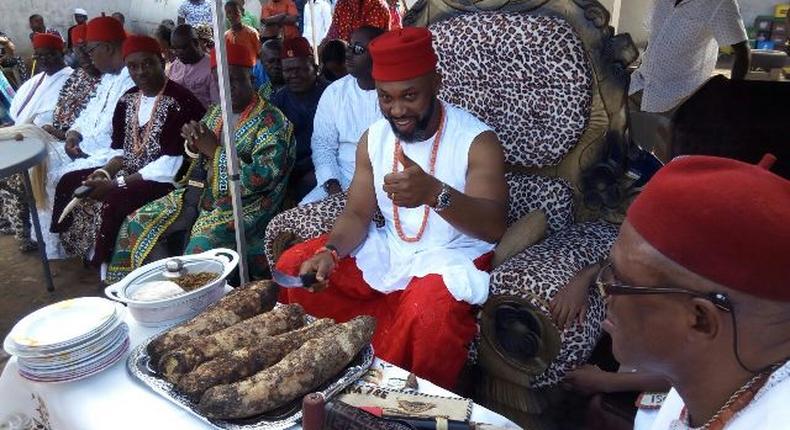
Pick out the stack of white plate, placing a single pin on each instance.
(69, 340)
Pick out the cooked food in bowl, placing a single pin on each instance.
(193, 281)
(156, 290)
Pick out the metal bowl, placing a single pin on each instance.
(174, 309)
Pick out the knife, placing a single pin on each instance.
(287, 281)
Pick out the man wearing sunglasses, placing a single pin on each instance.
(346, 109)
(697, 292)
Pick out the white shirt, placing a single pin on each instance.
(40, 105)
(322, 20)
(95, 121)
(344, 113)
(682, 49)
(770, 408)
(164, 168)
(389, 263)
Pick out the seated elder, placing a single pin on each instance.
(199, 215)
(697, 292)
(149, 155)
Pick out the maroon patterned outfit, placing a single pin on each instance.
(98, 222)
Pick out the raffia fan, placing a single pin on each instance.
(19, 135)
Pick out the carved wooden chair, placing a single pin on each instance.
(549, 76)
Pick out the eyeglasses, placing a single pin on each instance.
(607, 285)
(89, 49)
(50, 55)
(356, 48)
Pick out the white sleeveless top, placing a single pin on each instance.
(387, 262)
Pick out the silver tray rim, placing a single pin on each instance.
(137, 365)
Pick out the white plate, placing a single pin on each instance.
(60, 323)
(69, 351)
(78, 359)
(71, 377)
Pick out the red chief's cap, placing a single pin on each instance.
(725, 220)
(78, 34)
(105, 29)
(45, 40)
(135, 43)
(297, 47)
(403, 54)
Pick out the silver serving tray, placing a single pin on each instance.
(138, 366)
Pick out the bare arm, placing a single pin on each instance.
(743, 57)
(481, 210)
(589, 379)
(351, 227)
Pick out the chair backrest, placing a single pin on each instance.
(526, 76)
(547, 75)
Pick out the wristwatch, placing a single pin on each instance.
(443, 199)
(121, 181)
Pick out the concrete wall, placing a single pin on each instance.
(142, 16)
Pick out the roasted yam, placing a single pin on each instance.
(176, 364)
(238, 305)
(241, 363)
(297, 374)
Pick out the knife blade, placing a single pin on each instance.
(287, 281)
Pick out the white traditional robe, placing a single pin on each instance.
(41, 94)
(344, 113)
(95, 126)
(770, 408)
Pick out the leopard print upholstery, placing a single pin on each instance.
(526, 76)
(540, 271)
(305, 222)
(531, 192)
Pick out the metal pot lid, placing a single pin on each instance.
(171, 268)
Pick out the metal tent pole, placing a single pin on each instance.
(228, 138)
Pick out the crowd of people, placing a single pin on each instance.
(332, 98)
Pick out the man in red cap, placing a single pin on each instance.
(34, 103)
(89, 137)
(436, 173)
(35, 100)
(77, 90)
(697, 292)
(148, 159)
(199, 216)
(298, 100)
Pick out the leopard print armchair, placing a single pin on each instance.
(549, 77)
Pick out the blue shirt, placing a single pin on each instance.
(300, 110)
